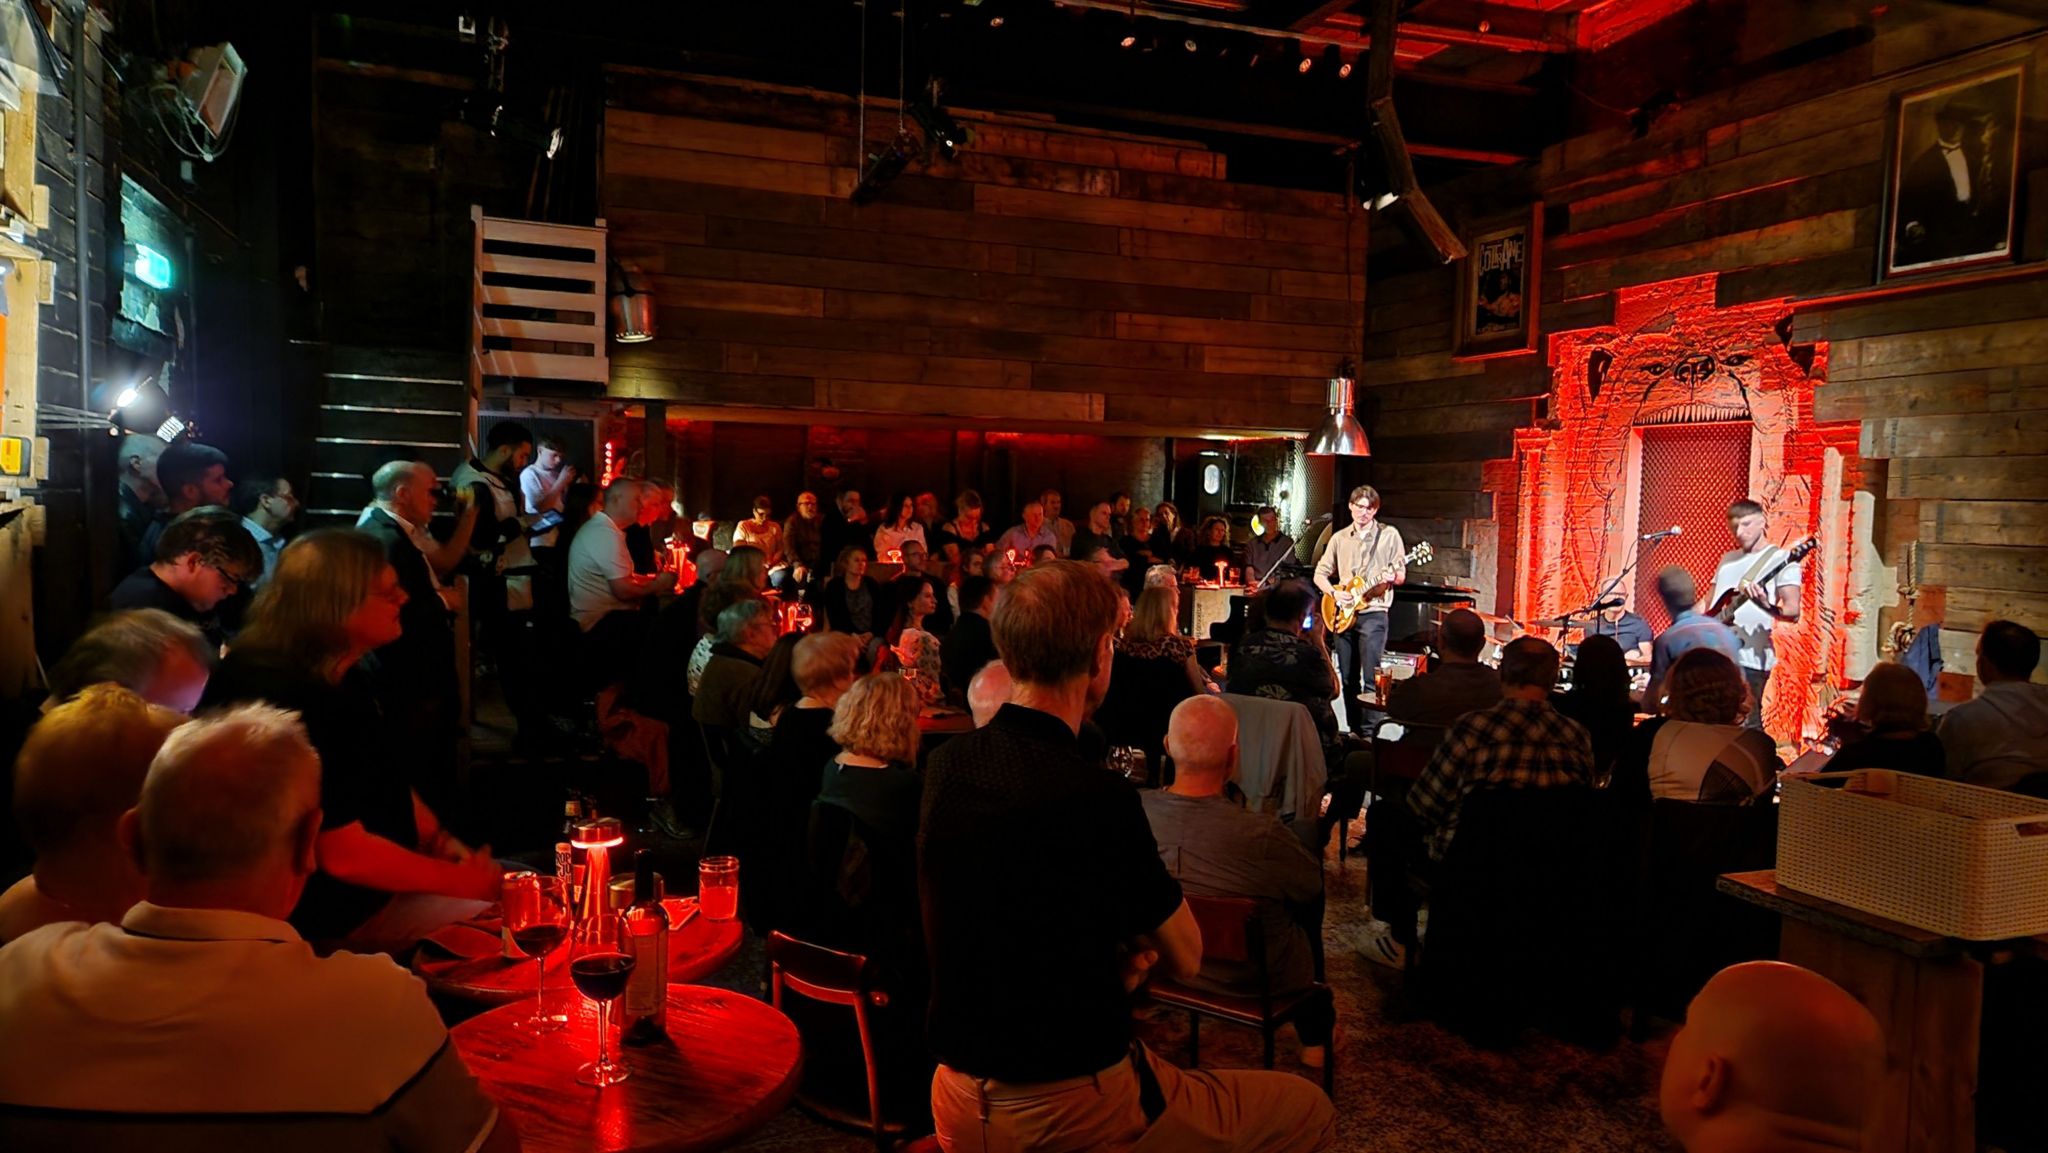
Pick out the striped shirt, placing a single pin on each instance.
(1513, 745)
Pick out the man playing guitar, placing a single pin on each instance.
(1760, 608)
(1366, 547)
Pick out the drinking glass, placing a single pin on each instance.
(539, 921)
(718, 888)
(602, 977)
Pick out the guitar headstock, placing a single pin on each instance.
(1422, 553)
(1801, 550)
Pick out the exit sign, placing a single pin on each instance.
(17, 455)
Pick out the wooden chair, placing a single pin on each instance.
(835, 978)
(1231, 932)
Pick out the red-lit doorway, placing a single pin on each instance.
(1690, 474)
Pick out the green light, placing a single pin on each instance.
(151, 267)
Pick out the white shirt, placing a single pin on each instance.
(225, 1018)
(597, 557)
(534, 482)
(1753, 624)
(1958, 171)
(1999, 739)
(421, 539)
(890, 537)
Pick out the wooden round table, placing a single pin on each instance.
(731, 1063)
(697, 949)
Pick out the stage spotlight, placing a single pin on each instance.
(883, 167)
(485, 113)
(1128, 42)
(942, 134)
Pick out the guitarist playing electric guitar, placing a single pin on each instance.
(1739, 585)
(1374, 550)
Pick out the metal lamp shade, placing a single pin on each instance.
(632, 317)
(1339, 434)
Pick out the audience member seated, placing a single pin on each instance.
(1172, 541)
(1892, 710)
(847, 526)
(1284, 661)
(1520, 743)
(1137, 542)
(390, 873)
(1022, 540)
(967, 532)
(1773, 1058)
(203, 1020)
(1062, 528)
(1216, 848)
(149, 652)
(80, 769)
(1154, 671)
(1045, 902)
(789, 771)
(1699, 749)
(803, 540)
(900, 528)
(1212, 548)
(202, 558)
(742, 578)
(854, 604)
(1689, 629)
(1599, 700)
(969, 645)
(774, 691)
(2000, 738)
(761, 531)
(266, 504)
(917, 652)
(604, 592)
(1456, 683)
(917, 570)
(987, 693)
(1097, 537)
(192, 475)
(1120, 513)
(862, 854)
(746, 631)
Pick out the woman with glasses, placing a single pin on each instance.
(390, 873)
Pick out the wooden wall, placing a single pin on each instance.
(1777, 185)
(1048, 279)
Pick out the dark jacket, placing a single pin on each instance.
(841, 617)
(967, 647)
(416, 671)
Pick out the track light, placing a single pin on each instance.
(1189, 44)
(942, 134)
(1344, 70)
(1307, 62)
(1127, 42)
(995, 21)
(883, 167)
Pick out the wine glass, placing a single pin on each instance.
(539, 920)
(602, 977)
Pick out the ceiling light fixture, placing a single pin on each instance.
(1189, 44)
(1307, 63)
(1340, 434)
(1343, 70)
(1127, 42)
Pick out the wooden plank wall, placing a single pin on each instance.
(1776, 184)
(1049, 279)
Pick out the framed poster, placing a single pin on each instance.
(1497, 286)
(1954, 174)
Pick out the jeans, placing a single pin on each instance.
(1358, 657)
(1757, 678)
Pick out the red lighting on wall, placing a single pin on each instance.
(1674, 357)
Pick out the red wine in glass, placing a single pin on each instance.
(539, 940)
(602, 977)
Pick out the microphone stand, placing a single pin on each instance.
(1607, 590)
(1268, 574)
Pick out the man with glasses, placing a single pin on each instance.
(267, 505)
(203, 557)
(803, 535)
(1366, 548)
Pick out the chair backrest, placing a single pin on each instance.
(1403, 759)
(818, 972)
(1229, 926)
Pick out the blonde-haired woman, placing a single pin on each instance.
(1892, 709)
(1154, 634)
(389, 871)
(1699, 750)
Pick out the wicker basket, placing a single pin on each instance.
(1950, 858)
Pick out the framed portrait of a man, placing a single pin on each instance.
(1497, 286)
(1954, 173)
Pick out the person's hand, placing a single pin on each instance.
(665, 582)
(481, 878)
(1759, 594)
(1138, 960)
(451, 597)
(465, 497)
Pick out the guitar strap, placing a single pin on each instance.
(1764, 557)
(1366, 550)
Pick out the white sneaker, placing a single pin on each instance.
(1376, 943)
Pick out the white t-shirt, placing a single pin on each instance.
(597, 557)
(890, 537)
(1752, 624)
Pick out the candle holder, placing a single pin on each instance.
(597, 838)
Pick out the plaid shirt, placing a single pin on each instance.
(1513, 745)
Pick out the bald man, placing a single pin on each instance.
(1217, 848)
(1773, 1058)
(988, 692)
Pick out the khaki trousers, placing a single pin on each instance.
(1250, 1110)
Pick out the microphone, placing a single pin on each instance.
(1610, 603)
(1674, 530)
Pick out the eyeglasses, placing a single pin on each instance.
(227, 578)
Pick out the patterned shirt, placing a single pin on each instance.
(1513, 745)
(1282, 665)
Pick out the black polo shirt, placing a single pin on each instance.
(1034, 866)
(143, 589)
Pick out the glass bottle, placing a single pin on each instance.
(643, 934)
